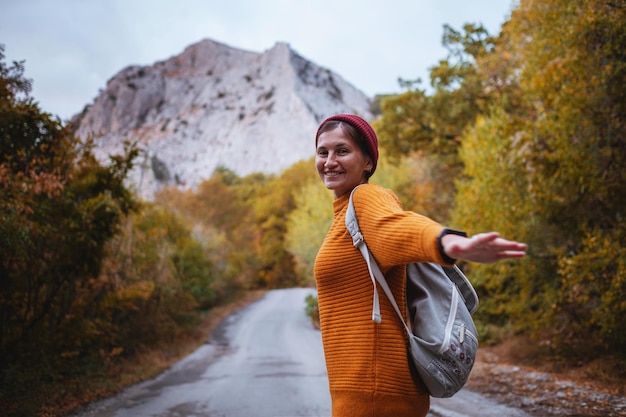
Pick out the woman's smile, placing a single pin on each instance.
(340, 162)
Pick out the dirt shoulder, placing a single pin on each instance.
(543, 391)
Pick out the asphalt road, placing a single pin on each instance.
(264, 361)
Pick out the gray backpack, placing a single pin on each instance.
(442, 335)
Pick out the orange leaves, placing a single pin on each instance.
(131, 296)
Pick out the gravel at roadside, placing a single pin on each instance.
(538, 393)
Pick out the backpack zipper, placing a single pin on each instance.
(450, 322)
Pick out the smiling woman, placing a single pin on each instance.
(344, 158)
(367, 363)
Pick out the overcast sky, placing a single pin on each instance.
(72, 47)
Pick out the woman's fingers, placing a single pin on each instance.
(483, 247)
(490, 247)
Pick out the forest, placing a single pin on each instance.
(523, 132)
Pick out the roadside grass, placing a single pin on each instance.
(312, 311)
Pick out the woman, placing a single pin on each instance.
(367, 363)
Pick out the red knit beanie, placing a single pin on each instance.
(364, 128)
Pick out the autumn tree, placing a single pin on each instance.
(551, 172)
(155, 279)
(307, 226)
(273, 205)
(248, 215)
(223, 221)
(58, 209)
(430, 126)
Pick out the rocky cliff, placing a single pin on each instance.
(214, 105)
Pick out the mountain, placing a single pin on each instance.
(214, 105)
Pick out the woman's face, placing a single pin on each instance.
(340, 162)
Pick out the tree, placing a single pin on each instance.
(58, 209)
(562, 150)
(492, 195)
(431, 126)
(223, 221)
(415, 121)
(307, 226)
(273, 205)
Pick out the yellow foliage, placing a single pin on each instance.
(307, 225)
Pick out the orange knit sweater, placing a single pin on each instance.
(367, 363)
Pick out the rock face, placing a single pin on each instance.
(214, 105)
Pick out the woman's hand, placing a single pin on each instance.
(483, 247)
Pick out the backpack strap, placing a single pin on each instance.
(357, 240)
(375, 273)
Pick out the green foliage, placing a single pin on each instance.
(248, 217)
(272, 201)
(154, 278)
(223, 221)
(593, 285)
(196, 271)
(418, 179)
(271, 206)
(574, 146)
(414, 121)
(311, 309)
(492, 195)
(572, 74)
(550, 171)
(527, 132)
(89, 275)
(59, 207)
(430, 127)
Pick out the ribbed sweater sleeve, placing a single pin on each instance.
(395, 236)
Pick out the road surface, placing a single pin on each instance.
(264, 361)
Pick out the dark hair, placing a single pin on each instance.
(352, 133)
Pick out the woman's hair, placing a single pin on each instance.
(352, 133)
